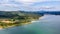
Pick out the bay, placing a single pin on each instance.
(48, 24)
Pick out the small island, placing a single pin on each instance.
(16, 18)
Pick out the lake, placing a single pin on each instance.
(48, 24)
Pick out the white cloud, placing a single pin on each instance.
(29, 2)
(9, 7)
(32, 1)
(27, 5)
(4, 1)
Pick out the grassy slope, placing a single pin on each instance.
(9, 19)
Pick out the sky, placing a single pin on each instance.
(29, 5)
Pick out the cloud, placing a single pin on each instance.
(27, 1)
(8, 7)
(30, 5)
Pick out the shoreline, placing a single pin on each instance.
(1, 28)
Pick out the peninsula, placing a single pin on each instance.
(16, 18)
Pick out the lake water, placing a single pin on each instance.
(48, 24)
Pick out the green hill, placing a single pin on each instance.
(16, 18)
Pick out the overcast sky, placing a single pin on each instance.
(29, 5)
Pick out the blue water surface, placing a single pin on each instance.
(48, 24)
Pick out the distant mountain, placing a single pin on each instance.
(43, 12)
(48, 12)
(51, 12)
(31, 12)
